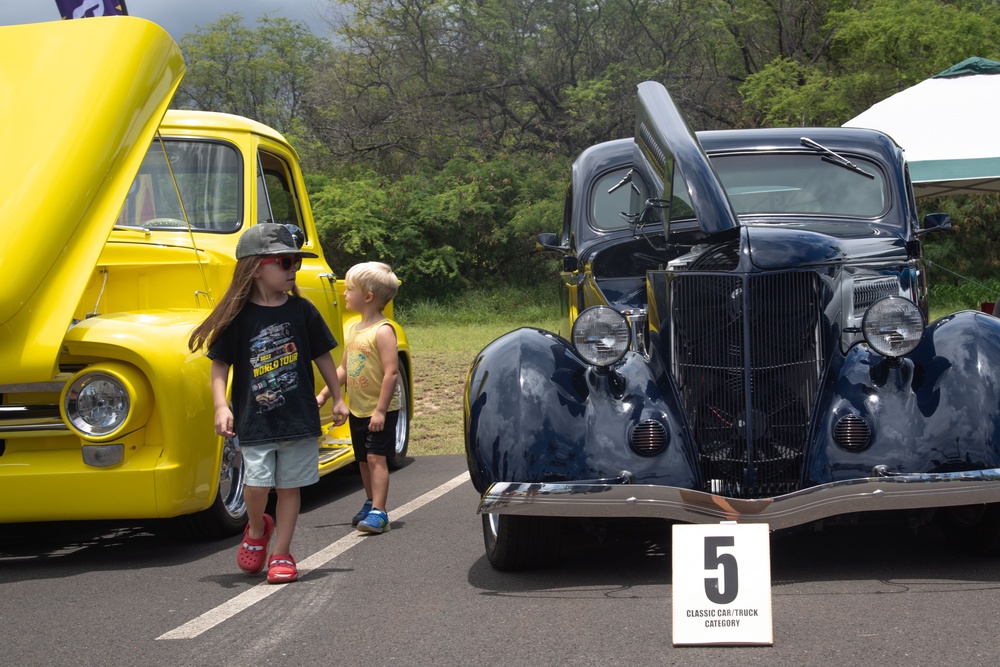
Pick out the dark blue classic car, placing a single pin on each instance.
(744, 338)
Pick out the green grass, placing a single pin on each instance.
(445, 338)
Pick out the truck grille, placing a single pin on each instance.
(747, 357)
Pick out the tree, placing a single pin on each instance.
(873, 49)
(432, 79)
(261, 73)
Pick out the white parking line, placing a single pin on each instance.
(244, 600)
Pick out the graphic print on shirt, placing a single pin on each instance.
(273, 356)
(357, 355)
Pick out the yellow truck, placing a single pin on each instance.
(119, 226)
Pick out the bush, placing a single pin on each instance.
(468, 226)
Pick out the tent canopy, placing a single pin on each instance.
(947, 127)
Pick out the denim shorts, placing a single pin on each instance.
(285, 464)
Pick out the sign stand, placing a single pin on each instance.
(722, 584)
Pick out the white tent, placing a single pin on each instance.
(947, 125)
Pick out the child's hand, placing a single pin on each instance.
(340, 412)
(321, 399)
(377, 422)
(224, 422)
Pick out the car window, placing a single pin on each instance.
(606, 207)
(208, 178)
(794, 184)
(778, 183)
(278, 202)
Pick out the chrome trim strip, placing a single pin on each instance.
(34, 387)
(869, 494)
(55, 426)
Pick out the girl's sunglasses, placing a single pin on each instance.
(286, 262)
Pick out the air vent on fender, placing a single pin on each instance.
(867, 292)
(852, 432)
(649, 438)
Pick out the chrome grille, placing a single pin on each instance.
(747, 357)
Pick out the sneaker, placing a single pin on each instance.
(377, 521)
(362, 513)
(281, 569)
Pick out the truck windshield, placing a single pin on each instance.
(207, 174)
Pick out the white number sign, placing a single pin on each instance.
(722, 584)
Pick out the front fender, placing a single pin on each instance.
(181, 421)
(536, 412)
(937, 411)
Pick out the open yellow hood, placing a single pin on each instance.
(80, 102)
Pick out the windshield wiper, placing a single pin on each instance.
(835, 158)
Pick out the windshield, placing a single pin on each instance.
(800, 184)
(762, 184)
(208, 178)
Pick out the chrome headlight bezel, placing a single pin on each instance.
(601, 336)
(893, 326)
(97, 404)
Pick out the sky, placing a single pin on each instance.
(179, 17)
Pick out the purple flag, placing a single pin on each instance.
(78, 9)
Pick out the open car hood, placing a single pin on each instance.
(80, 102)
(664, 143)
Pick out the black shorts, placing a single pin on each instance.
(380, 443)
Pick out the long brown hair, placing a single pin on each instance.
(230, 305)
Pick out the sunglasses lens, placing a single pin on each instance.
(286, 262)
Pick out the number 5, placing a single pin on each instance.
(713, 561)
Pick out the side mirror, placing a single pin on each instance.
(549, 241)
(935, 222)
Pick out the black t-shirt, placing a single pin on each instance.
(271, 349)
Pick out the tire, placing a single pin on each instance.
(228, 514)
(396, 461)
(973, 528)
(521, 542)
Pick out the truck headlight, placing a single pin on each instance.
(601, 335)
(97, 403)
(103, 401)
(893, 326)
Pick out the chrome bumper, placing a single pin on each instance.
(884, 492)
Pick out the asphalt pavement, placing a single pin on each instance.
(108, 594)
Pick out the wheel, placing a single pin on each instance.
(973, 528)
(396, 461)
(228, 514)
(521, 542)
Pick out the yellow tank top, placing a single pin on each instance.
(365, 370)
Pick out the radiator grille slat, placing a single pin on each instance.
(747, 357)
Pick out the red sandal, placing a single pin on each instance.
(281, 569)
(253, 550)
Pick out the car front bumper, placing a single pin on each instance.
(613, 500)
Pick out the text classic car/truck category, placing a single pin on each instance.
(743, 338)
(125, 218)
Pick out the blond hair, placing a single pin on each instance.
(374, 277)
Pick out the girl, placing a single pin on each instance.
(271, 336)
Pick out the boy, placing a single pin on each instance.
(370, 368)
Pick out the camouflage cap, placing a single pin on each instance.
(268, 238)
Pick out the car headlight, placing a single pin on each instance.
(96, 403)
(893, 326)
(601, 335)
